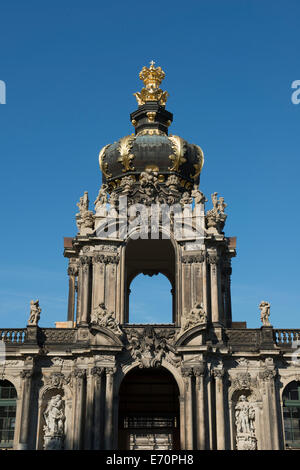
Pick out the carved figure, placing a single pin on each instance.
(101, 199)
(35, 311)
(216, 217)
(197, 195)
(54, 429)
(245, 424)
(149, 348)
(265, 313)
(101, 317)
(85, 218)
(196, 316)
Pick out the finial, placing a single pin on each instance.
(152, 78)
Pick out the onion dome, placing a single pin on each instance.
(151, 147)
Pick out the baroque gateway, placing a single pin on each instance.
(99, 382)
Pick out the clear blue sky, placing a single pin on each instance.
(71, 68)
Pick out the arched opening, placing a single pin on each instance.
(291, 414)
(149, 411)
(151, 299)
(151, 258)
(8, 406)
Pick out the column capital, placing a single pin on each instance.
(110, 370)
(268, 374)
(213, 258)
(72, 270)
(79, 374)
(199, 370)
(186, 371)
(97, 371)
(26, 374)
(218, 373)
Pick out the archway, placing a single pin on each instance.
(8, 405)
(151, 300)
(149, 257)
(291, 414)
(149, 411)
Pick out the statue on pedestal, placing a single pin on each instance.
(35, 311)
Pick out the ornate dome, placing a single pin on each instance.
(151, 147)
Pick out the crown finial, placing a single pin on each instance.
(152, 78)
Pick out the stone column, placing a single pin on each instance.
(215, 290)
(26, 376)
(270, 415)
(98, 281)
(187, 374)
(97, 373)
(85, 262)
(199, 372)
(220, 418)
(72, 272)
(88, 435)
(227, 300)
(109, 399)
(182, 422)
(79, 375)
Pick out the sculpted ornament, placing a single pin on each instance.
(216, 217)
(197, 195)
(54, 416)
(101, 317)
(265, 313)
(85, 217)
(149, 347)
(245, 425)
(101, 200)
(197, 316)
(35, 311)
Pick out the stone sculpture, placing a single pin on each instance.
(55, 419)
(101, 317)
(265, 313)
(245, 424)
(35, 311)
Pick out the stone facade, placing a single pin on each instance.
(227, 380)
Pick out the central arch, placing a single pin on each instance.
(149, 410)
(149, 257)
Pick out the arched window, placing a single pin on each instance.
(291, 414)
(154, 258)
(8, 405)
(150, 299)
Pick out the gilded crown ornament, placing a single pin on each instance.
(152, 78)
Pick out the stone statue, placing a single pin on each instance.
(101, 199)
(85, 218)
(265, 313)
(216, 217)
(54, 429)
(35, 311)
(101, 317)
(245, 424)
(197, 195)
(196, 316)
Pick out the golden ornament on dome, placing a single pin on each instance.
(152, 78)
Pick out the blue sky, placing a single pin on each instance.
(70, 69)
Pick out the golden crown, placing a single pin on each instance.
(152, 78)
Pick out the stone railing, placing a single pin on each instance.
(286, 337)
(13, 335)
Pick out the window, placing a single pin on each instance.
(150, 300)
(291, 414)
(8, 404)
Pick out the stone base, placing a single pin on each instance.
(246, 442)
(53, 442)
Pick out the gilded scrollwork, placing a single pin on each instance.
(179, 148)
(124, 148)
